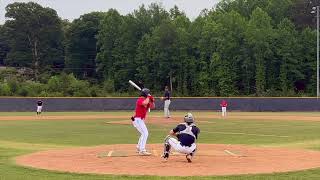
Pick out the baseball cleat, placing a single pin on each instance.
(189, 158)
(165, 156)
(144, 153)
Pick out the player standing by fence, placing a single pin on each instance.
(224, 105)
(39, 107)
(167, 102)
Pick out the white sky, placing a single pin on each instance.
(72, 9)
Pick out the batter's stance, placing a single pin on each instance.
(187, 134)
(144, 102)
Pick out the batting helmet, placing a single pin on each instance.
(145, 92)
(188, 118)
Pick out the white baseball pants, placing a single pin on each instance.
(139, 124)
(166, 108)
(224, 111)
(39, 108)
(175, 144)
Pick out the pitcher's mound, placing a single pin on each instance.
(211, 159)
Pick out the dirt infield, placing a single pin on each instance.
(154, 119)
(211, 159)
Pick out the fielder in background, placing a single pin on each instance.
(167, 102)
(39, 107)
(144, 102)
(187, 134)
(224, 105)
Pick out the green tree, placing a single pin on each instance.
(158, 14)
(148, 18)
(244, 7)
(35, 36)
(67, 85)
(230, 35)
(106, 41)
(220, 71)
(307, 59)
(279, 9)
(199, 49)
(4, 46)
(240, 47)
(206, 46)
(259, 37)
(81, 49)
(287, 49)
(155, 55)
(118, 41)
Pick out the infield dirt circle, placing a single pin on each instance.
(211, 159)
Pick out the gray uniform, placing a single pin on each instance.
(167, 102)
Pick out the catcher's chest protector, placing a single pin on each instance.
(188, 130)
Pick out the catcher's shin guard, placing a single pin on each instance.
(166, 144)
(166, 148)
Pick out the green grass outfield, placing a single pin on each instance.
(21, 137)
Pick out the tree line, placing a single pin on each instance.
(238, 48)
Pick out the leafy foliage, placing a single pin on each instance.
(238, 48)
(35, 37)
(81, 43)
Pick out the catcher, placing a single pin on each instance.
(187, 133)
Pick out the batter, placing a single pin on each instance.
(144, 102)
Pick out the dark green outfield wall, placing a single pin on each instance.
(108, 104)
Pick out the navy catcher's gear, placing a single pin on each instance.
(187, 133)
(167, 147)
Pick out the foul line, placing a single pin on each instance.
(248, 134)
(230, 153)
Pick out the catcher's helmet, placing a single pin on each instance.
(145, 92)
(188, 118)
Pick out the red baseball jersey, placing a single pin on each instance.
(141, 110)
(223, 103)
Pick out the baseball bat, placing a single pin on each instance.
(137, 87)
(134, 85)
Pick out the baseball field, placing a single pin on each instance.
(99, 145)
